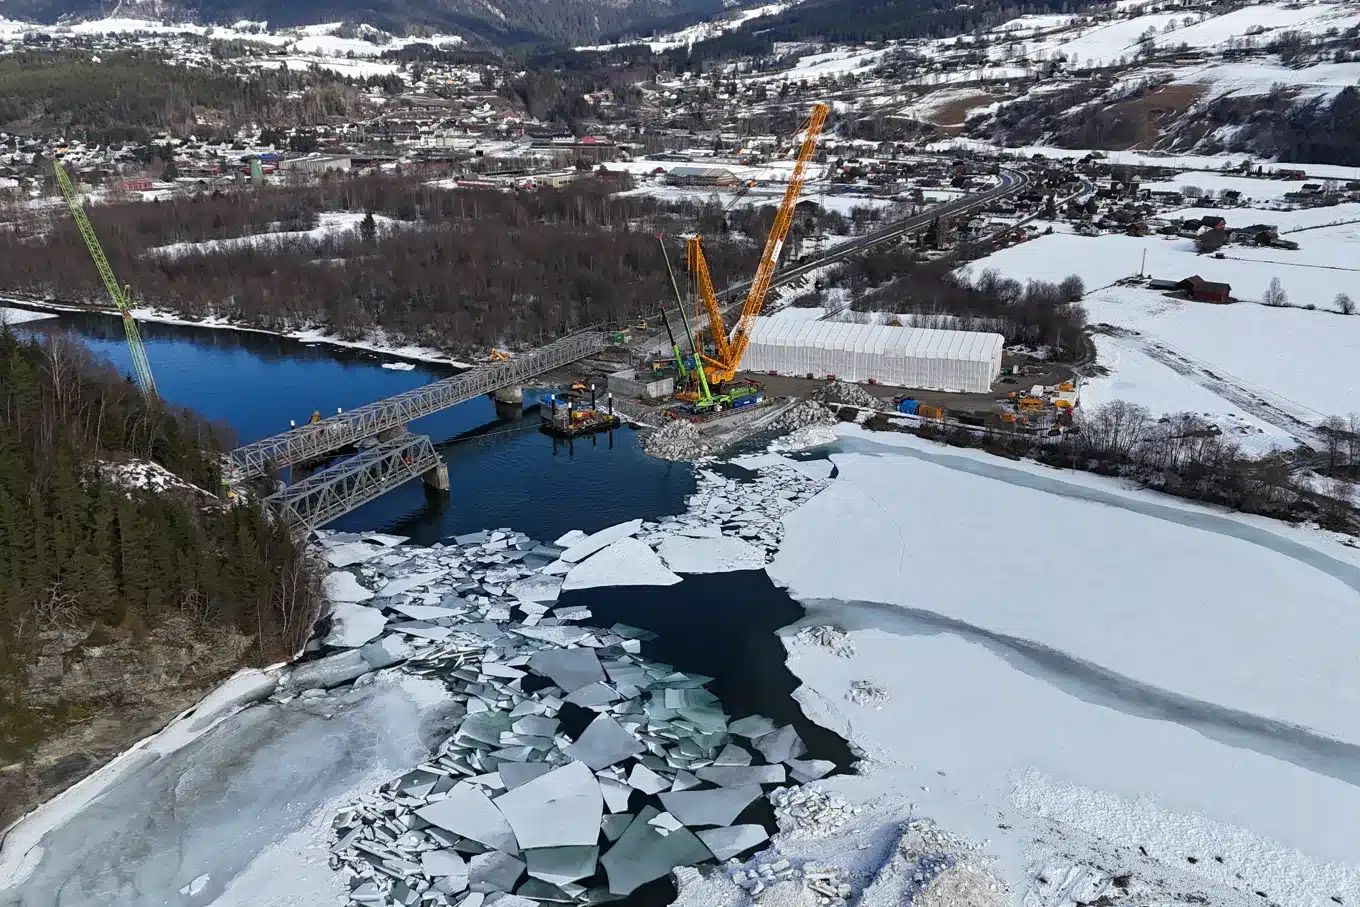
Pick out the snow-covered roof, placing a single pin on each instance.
(918, 343)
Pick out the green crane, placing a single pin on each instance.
(116, 293)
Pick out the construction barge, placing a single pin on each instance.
(562, 418)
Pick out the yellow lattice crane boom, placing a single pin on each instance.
(140, 363)
(729, 349)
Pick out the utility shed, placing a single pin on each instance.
(961, 361)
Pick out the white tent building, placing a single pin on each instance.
(964, 361)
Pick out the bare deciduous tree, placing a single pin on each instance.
(1275, 295)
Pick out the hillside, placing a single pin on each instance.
(126, 587)
(490, 21)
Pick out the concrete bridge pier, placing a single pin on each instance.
(437, 479)
(508, 395)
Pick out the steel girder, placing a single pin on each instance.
(354, 481)
(317, 440)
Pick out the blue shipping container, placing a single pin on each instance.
(909, 407)
(752, 400)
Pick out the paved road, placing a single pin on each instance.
(1012, 181)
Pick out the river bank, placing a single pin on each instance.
(379, 345)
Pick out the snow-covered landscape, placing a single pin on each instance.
(1130, 696)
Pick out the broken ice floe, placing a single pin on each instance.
(576, 770)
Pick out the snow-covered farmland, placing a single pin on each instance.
(1127, 672)
(1299, 360)
(20, 316)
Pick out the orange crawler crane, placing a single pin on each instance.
(729, 348)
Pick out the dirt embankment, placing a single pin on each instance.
(97, 691)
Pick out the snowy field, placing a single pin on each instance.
(1138, 675)
(331, 224)
(1252, 189)
(1286, 358)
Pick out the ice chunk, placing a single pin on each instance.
(684, 781)
(751, 726)
(643, 853)
(389, 541)
(805, 770)
(353, 625)
(615, 824)
(732, 755)
(594, 694)
(328, 672)
(343, 586)
(562, 865)
(567, 539)
(448, 864)
(196, 886)
(422, 630)
(782, 744)
(710, 555)
(557, 635)
(603, 743)
(627, 562)
(468, 812)
(701, 532)
(408, 582)
(666, 822)
(815, 469)
(351, 553)
(494, 872)
(386, 652)
(580, 550)
(537, 588)
(728, 842)
(570, 669)
(559, 809)
(616, 794)
(426, 612)
(709, 807)
(514, 774)
(471, 538)
(742, 775)
(646, 780)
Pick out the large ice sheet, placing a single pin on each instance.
(584, 548)
(328, 672)
(741, 775)
(643, 853)
(354, 625)
(468, 812)
(343, 586)
(559, 809)
(352, 553)
(710, 555)
(603, 743)
(562, 865)
(730, 841)
(709, 807)
(570, 669)
(627, 562)
(408, 582)
(538, 588)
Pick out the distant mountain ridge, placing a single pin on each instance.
(496, 22)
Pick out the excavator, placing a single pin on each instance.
(714, 373)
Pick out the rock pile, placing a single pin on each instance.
(931, 868)
(802, 414)
(677, 439)
(846, 393)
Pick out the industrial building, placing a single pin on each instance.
(701, 176)
(961, 361)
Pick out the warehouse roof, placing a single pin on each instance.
(921, 343)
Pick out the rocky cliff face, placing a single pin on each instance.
(99, 690)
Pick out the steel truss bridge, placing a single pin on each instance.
(381, 453)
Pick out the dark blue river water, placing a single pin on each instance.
(506, 474)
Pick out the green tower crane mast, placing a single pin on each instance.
(119, 296)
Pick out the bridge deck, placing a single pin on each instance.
(317, 440)
(354, 481)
